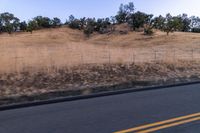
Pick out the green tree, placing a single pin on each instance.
(113, 20)
(43, 22)
(124, 13)
(138, 19)
(39, 21)
(89, 27)
(16, 24)
(74, 23)
(32, 25)
(9, 21)
(23, 26)
(102, 25)
(1, 25)
(169, 26)
(195, 24)
(82, 22)
(56, 22)
(172, 24)
(158, 22)
(186, 23)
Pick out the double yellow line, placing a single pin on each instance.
(163, 124)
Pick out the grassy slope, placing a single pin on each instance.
(60, 48)
(66, 47)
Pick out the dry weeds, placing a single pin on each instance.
(88, 76)
(57, 48)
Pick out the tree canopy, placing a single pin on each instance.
(126, 14)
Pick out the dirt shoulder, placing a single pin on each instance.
(88, 79)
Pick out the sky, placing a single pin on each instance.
(27, 9)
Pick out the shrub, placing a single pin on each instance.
(148, 30)
(88, 31)
(196, 30)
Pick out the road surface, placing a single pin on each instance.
(169, 110)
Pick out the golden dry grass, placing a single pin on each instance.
(63, 47)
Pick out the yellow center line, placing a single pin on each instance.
(159, 123)
(169, 125)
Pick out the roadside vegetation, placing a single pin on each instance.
(86, 79)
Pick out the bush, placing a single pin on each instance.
(75, 24)
(148, 30)
(88, 31)
(196, 30)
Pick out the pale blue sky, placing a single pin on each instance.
(27, 9)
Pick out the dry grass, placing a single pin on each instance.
(63, 59)
(89, 76)
(57, 48)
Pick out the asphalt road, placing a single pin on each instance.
(111, 114)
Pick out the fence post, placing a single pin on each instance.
(192, 54)
(174, 55)
(109, 56)
(16, 58)
(133, 56)
(82, 59)
(155, 55)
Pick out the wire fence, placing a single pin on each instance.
(48, 59)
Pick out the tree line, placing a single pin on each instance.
(126, 14)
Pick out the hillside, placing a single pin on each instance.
(63, 47)
(63, 59)
(132, 39)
